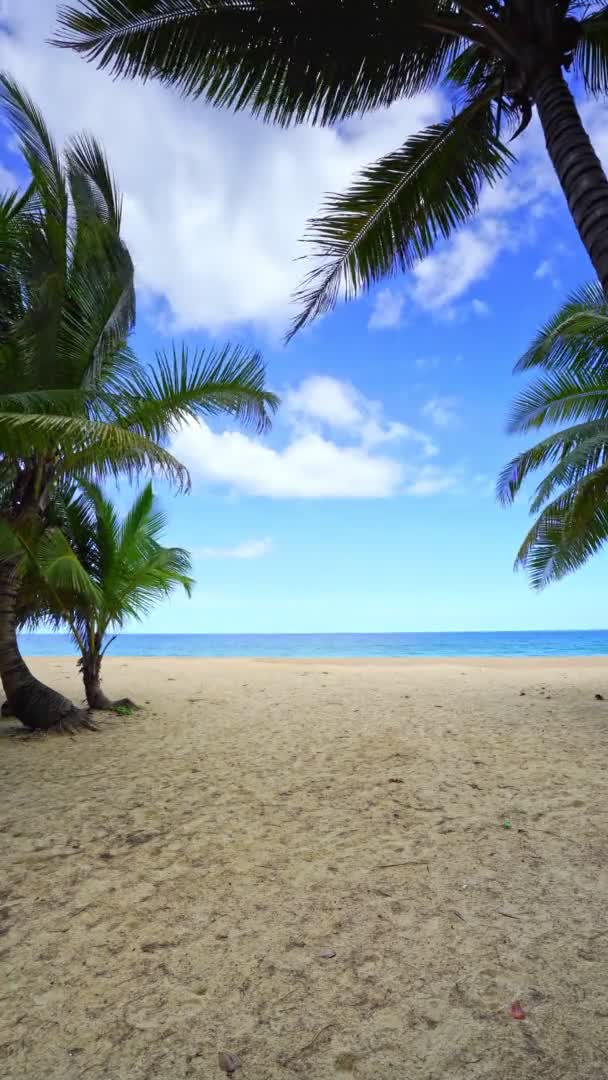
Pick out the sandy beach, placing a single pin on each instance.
(174, 885)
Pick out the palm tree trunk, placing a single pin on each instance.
(91, 676)
(90, 664)
(578, 168)
(37, 706)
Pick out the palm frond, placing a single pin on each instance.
(571, 500)
(63, 571)
(567, 532)
(85, 444)
(227, 380)
(575, 338)
(395, 212)
(37, 147)
(306, 60)
(591, 54)
(561, 396)
(86, 159)
(577, 450)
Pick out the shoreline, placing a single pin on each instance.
(567, 660)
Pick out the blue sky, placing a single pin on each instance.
(370, 505)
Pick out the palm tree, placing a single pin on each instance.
(322, 61)
(572, 390)
(75, 401)
(93, 572)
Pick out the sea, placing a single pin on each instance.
(478, 643)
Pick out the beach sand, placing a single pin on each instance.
(169, 885)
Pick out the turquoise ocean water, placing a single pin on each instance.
(504, 643)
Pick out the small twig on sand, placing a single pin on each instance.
(507, 915)
(390, 865)
(308, 1046)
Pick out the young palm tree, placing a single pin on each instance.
(570, 394)
(322, 61)
(93, 572)
(75, 402)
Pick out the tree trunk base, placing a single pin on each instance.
(98, 702)
(39, 708)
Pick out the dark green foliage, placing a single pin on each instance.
(323, 61)
(570, 394)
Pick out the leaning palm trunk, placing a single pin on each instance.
(37, 706)
(577, 166)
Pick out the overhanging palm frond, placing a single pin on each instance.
(395, 212)
(228, 380)
(571, 500)
(561, 396)
(575, 338)
(306, 60)
(591, 55)
(79, 442)
(567, 532)
(87, 160)
(577, 451)
(37, 147)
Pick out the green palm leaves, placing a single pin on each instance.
(396, 210)
(106, 571)
(323, 61)
(570, 394)
(68, 379)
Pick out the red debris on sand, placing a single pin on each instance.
(516, 1011)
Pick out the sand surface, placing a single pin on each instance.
(169, 885)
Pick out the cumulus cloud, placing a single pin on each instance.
(247, 549)
(335, 446)
(445, 275)
(387, 311)
(322, 399)
(441, 411)
(215, 204)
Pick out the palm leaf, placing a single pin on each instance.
(398, 208)
(37, 147)
(63, 571)
(567, 532)
(591, 54)
(575, 337)
(228, 380)
(306, 60)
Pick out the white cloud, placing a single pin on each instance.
(480, 307)
(441, 411)
(387, 310)
(247, 549)
(445, 275)
(331, 449)
(215, 203)
(324, 400)
(310, 466)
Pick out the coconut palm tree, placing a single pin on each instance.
(321, 61)
(75, 401)
(93, 573)
(570, 394)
